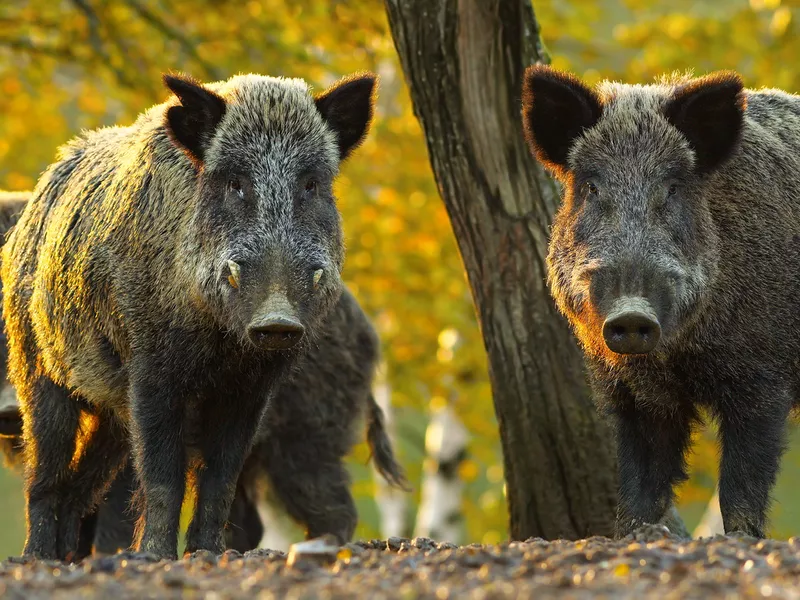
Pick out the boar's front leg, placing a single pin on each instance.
(228, 431)
(160, 461)
(753, 440)
(651, 448)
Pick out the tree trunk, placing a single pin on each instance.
(463, 61)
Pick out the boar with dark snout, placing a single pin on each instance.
(159, 287)
(676, 258)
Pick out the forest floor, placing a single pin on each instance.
(649, 564)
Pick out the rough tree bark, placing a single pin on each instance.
(463, 61)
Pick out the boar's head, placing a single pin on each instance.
(269, 244)
(633, 247)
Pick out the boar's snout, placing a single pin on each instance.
(631, 327)
(275, 327)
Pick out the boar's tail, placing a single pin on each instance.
(381, 447)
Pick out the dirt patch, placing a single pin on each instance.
(649, 564)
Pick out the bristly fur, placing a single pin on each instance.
(683, 195)
(118, 310)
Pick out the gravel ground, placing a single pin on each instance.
(650, 564)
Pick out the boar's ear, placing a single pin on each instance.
(556, 108)
(347, 108)
(191, 123)
(709, 111)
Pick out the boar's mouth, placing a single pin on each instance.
(631, 327)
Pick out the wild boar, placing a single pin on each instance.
(160, 285)
(674, 256)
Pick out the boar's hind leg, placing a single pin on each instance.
(651, 453)
(245, 530)
(228, 433)
(51, 420)
(751, 449)
(102, 454)
(115, 523)
(312, 484)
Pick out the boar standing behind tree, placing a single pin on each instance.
(164, 278)
(676, 257)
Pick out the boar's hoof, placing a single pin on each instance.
(276, 333)
(631, 332)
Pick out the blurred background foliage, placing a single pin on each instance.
(66, 65)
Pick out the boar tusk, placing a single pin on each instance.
(317, 277)
(233, 278)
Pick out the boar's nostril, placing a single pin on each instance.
(631, 332)
(276, 332)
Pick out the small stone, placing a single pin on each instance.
(103, 564)
(395, 543)
(203, 556)
(355, 548)
(132, 556)
(319, 551)
(423, 543)
(264, 553)
(228, 557)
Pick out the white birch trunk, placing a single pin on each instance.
(391, 502)
(439, 516)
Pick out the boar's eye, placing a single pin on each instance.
(235, 186)
(310, 187)
(673, 189)
(592, 188)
